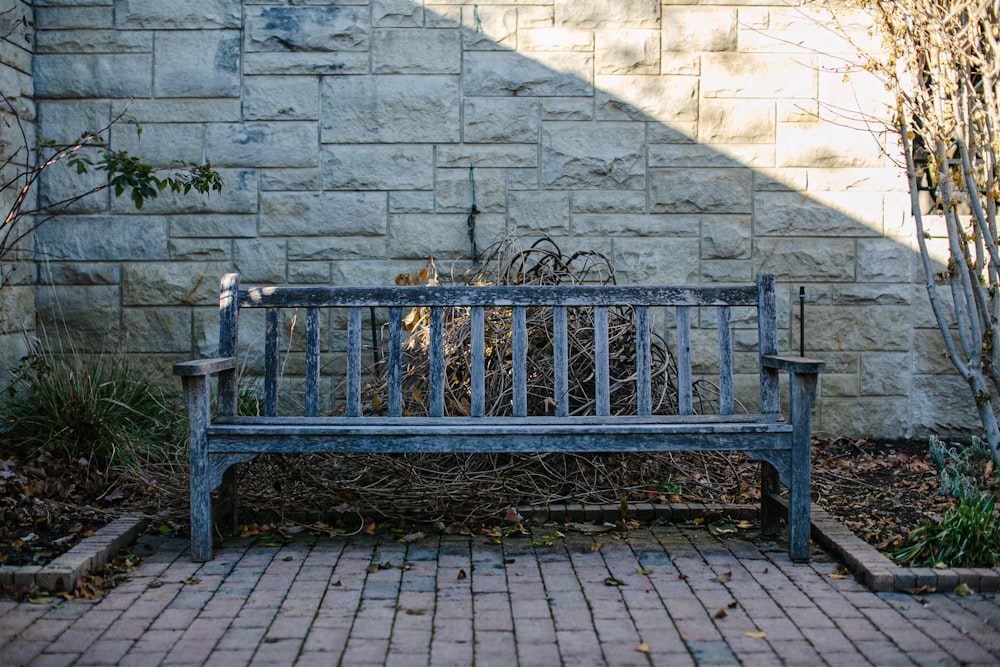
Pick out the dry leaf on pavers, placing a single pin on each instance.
(733, 604)
(923, 590)
(191, 582)
(554, 535)
(643, 647)
(720, 614)
(462, 575)
(963, 589)
(590, 528)
(509, 561)
(723, 578)
(682, 576)
(416, 612)
(612, 581)
(412, 537)
(744, 525)
(596, 546)
(755, 634)
(647, 570)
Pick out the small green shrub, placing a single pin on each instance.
(97, 407)
(968, 535)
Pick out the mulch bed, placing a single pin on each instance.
(880, 490)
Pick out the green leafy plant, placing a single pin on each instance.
(968, 535)
(96, 407)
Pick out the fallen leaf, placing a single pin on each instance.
(647, 570)
(191, 582)
(416, 612)
(732, 605)
(643, 647)
(745, 524)
(723, 578)
(412, 537)
(834, 575)
(923, 590)
(756, 634)
(555, 535)
(963, 589)
(462, 575)
(720, 614)
(596, 546)
(682, 577)
(612, 581)
(509, 561)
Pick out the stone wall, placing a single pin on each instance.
(17, 113)
(689, 141)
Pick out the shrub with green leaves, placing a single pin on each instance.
(968, 535)
(97, 407)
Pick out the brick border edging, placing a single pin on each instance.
(91, 553)
(878, 573)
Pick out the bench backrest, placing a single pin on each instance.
(477, 299)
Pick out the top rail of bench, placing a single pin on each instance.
(514, 295)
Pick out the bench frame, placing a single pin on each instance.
(219, 441)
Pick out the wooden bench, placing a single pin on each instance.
(220, 440)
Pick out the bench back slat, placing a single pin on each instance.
(395, 370)
(271, 329)
(436, 353)
(643, 361)
(353, 362)
(519, 359)
(560, 361)
(725, 340)
(228, 340)
(767, 340)
(602, 394)
(477, 323)
(684, 386)
(312, 362)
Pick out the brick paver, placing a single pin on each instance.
(666, 595)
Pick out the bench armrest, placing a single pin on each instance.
(792, 363)
(204, 366)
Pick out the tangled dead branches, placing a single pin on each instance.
(477, 487)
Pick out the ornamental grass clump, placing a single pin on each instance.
(96, 407)
(968, 535)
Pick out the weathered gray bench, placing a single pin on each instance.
(220, 440)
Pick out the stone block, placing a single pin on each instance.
(608, 13)
(307, 63)
(410, 51)
(541, 211)
(885, 374)
(874, 329)
(73, 18)
(695, 190)
(79, 273)
(281, 98)
(64, 121)
(411, 202)
(603, 201)
(291, 179)
(490, 28)
(628, 52)
(487, 156)
(876, 417)
(161, 144)
(397, 14)
(313, 249)
(160, 330)
(758, 76)
(417, 236)
(555, 39)
(684, 154)
(204, 250)
(726, 271)
(664, 99)
(298, 29)
(213, 226)
(391, 109)
(884, 261)
(567, 108)
(806, 259)
(284, 144)
(17, 308)
(87, 315)
(589, 156)
(657, 261)
(500, 120)
(835, 385)
(111, 238)
(389, 167)
(122, 75)
(943, 404)
(818, 214)
(453, 190)
(190, 110)
(699, 29)
(826, 145)
(323, 214)
(736, 121)
(546, 74)
(726, 237)
(616, 225)
(178, 14)
(172, 283)
(930, 356)
(93, 41)
(261, 260)
(860, 294)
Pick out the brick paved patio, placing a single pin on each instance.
(663, 596)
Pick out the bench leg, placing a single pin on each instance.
(197, 395)
(201, 522)
(226, 503)
(770, 509)
(803, 393)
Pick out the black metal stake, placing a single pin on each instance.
(802, 321)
